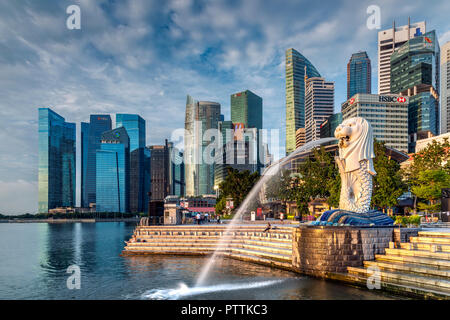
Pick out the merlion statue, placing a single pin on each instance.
(355, 163)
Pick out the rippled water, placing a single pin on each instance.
(34, 259)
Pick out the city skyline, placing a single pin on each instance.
(89, 71)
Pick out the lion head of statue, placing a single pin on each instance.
(355, 143)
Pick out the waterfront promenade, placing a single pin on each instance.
(414, 263)
(136, 220)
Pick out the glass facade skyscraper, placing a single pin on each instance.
(57, 161)
(113, 172)
(359, 74)
(297, 66)
(200, 116)
(445, 88)
(98, 124)
(246, 108)
(135, 126)
(415, 73)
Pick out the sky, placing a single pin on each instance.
(145, 56)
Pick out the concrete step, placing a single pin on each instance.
(425, 246)
(210, 230)
(434, 234)
(259, 260)
(276, 256)
(429, 283)
(396, 288)
(434, 240)
(430, 262)
(285, 247)
(265, 248)
(410, 268)
(418, 253)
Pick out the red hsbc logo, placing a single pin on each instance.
(401, 99)
(352, 100)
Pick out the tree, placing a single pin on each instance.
(236, 185)
(430, 184)
(388, 185)
(436, 156)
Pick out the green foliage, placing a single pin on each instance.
(429, 186)
(236, 185)
(387, 183)
(406, 221)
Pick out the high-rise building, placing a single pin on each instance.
(359, 74)
(388, 41)
(160, 171)
(415, 73)
(296, 67)
(387, 114)
(246, 108)
(176, 171)
(135, 126)
(57, 161)
(98, 124)
(445, 88)
(328, 127)
(300, 137)
(199, 172)
(319, 105)
(113, 172)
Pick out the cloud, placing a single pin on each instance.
(18, 197)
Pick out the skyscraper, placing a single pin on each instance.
(84, 160)
(387, 114)
(328, 127)
(295, 94)
(415, 73)
(113, 172)
(98, 123)
(160, 171)
(57, 161)
(246, 108)
(135, 126)
(388, 41)
(359, 74)
(319, 105)
(199, 172)
(445, 88)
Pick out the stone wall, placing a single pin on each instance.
(319, 250)
(403, 234)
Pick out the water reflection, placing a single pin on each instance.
(35, 257)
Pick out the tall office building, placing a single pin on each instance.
(387, 114)
(300, 137)
(415, 73)
(176, 171)
(160, 171)
(113, 172)
(319, 105)
(199, 172)
(445, 88)
(57, 161)
(296, 64)
(246, 108)
(135, 127)
(359, 74)
(90, 143)
(388, 41)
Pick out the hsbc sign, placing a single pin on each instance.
(391, 99)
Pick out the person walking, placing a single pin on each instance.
(198, 218)
(218, 219)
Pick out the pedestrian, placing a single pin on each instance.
(198, 218)
(268, 227)
(218, 219)
(206, 217)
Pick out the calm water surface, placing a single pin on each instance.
(34, 258)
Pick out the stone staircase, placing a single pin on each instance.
(420, 268)
(247, 243)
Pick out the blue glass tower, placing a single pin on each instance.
(84, 157)
(99, 123)
(57, 161)
(415, 72)
(113, 172)
(359, 74)
(135, 126)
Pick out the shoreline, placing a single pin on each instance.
(57, 221)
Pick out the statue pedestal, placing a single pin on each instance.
(319, 250)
